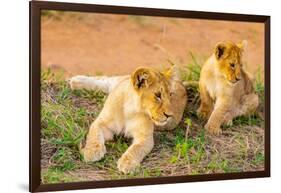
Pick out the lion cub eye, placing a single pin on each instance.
(172, 93)
(158, 96)
(232, 65)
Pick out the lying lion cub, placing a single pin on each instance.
(226, 89)
(134, 106)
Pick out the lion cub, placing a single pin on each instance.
(135, 106)
(226, 89)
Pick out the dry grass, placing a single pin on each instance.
(66, 116)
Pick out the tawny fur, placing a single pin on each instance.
(135, 106)
(226, 89)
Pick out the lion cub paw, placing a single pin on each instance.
(95, 153)
(215, 130)
(202, 114)
(77, 82)
(127, 164)
(228, 123)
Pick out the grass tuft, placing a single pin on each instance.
(191, 71)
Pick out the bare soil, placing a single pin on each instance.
(83, 43)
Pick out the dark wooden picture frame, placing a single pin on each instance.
(35, 103)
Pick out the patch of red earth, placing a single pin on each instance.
(83, 43)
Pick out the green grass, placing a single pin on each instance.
(250, 120)
(259, 84)
(192, 69)
(221, 165)
(64, 121)
(52, 176)
(66, 116)
(259, 159)
(188, 149)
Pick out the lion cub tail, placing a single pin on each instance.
(103, 83)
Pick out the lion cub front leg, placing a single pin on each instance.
(206, 105)
(217, 117)
(132, 158)
(94, 148)
(142, 144)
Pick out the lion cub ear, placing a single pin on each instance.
(243, 45)
(141, 78)
(220, 50)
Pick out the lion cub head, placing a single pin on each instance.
(153, 87)
(229, 56)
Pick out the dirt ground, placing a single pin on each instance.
(83, 43)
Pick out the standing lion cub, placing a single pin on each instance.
(226, 90)
(134, 106)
